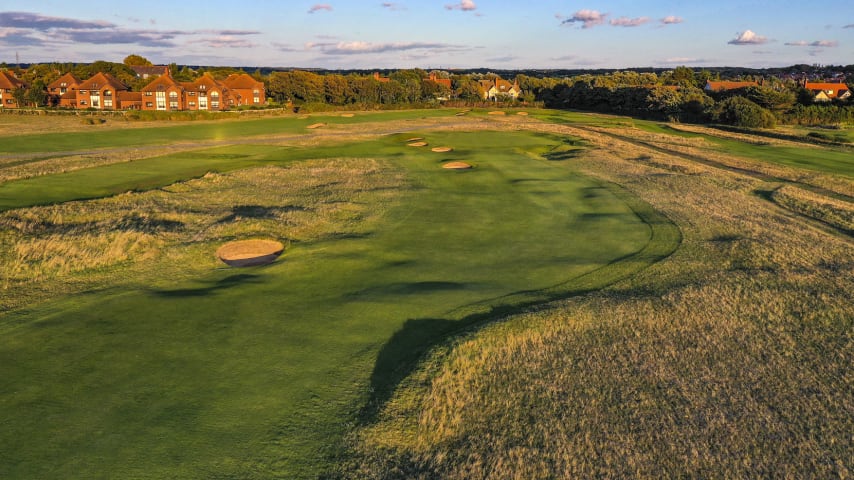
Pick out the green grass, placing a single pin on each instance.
(258, 373)
(195, 132)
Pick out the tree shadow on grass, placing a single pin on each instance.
(210, 288)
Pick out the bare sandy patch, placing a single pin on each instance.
(247, 253)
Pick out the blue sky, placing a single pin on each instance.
(432, 33)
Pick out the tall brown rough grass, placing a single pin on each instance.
(173, 232)
(730, 359)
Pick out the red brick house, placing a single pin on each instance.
(100, 92)
(206, 93)
(8, 84)
(244, 90)
(63, 91)
(164, 94)
(441, 81)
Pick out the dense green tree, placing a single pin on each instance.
(741, 112)
(20, 96)
(37, 93)
(134, 60)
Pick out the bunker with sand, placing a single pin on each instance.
(248, 253)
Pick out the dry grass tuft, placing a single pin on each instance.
(730, 359)
(169, 233)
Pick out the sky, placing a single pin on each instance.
(432, 34)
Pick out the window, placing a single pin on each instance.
(203, 94)
(173, 95)
(147, 94)
(82, 102)
(161, 100)
(214, 96)
(192, 94)
(257, 99)
(214, 105)
(149, 104)
(84, 92)
(202, 87)
(192, 104)
(173, 105)
(63, 84)
(108, 102)
(108, 93)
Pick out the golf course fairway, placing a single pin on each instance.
(259, 372)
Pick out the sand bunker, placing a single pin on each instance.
(460, 114)
(524, 114)
(417, 144)
(497, 112)
(247, 253)
(441, 149)
(348, 115)
(414, 139)
(457, 166)
(315, 125)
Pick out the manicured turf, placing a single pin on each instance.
(198, 132)
(257, 373)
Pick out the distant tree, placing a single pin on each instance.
(136, 61)
(680, 76)
(37, 93)
(741, 112)
(20, 96)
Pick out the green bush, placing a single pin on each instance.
(741, 112)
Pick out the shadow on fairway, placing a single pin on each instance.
(211, 287)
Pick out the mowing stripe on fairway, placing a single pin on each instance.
(258, 373)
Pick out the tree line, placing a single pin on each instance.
(678, 96)
(675, 95)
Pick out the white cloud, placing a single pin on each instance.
(464, 5)
(629, 22)
(587, 18)
(320, 7)
(360, 48)
(671, 20)
(748, 38)
(817, 43)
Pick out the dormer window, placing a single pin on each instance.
(202, 87)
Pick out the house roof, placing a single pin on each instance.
(242, 81)
(101, 79)
(207, 80)
(8, 80)
(727, 85)
(832, 90)
(441, 81)
(162, 83)
(150, 70)
(69, 79)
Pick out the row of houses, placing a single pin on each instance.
(104, 92)
(492, 89)
(821, 91)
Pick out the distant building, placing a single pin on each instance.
(149, 71)
(8, 84)
(63, 91)
(101, 92)
(499, 88)
(245, 90)
(825, 92)
(712, 86)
